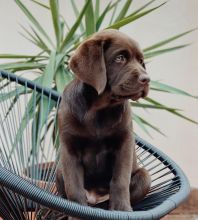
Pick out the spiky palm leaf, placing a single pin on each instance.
(52, 61)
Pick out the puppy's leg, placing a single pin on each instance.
(61, 190)
(140, 185)
(73, 176)
(60, 183)
(70, 178)
(119, 185)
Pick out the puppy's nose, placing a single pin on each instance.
(144, 79)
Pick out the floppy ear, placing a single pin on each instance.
(88, 64)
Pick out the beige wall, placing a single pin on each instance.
(179, 68)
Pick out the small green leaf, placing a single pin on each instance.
(12, 103)
(166, 88)
(40, 41)
(102, 16)
(41, 4)
(75, 9)
(132, 18)
(34, 21)
(143, 121)
(124, 10)
(173, 111)
(164, 42)
(56, 21)
(59, 60)
(160, 52)
(158, 104)
(10, 95)
(90, 23)
(45, 105)
(142, 105)
(76, 12)
(69, 75)
(143, 7)
(184, 117)
(31, 38)
(74, 27)
(114, 6)
(18, 66)
(97, 9)
(3, 84)
(73, 44)
(17, 56)
(36, 43)
(18, 91)
(35, 39)
(61, 79)
(49, 72)
(140, 124)
(48, 7)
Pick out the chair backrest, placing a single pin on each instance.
(28, 128)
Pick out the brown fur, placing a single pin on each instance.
(97, 145)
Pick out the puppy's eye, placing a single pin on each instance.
(120, 58)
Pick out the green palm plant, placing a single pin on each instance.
(51, 63)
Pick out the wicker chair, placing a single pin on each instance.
(29, 152)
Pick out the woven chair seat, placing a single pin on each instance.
(29, 154)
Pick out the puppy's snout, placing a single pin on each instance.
(144, 79)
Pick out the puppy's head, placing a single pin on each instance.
(110, 59)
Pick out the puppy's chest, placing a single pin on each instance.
(96, 160)
(104, 121)
(96, 145)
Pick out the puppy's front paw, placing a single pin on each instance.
(120, 204)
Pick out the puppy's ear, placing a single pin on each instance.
(88, 64)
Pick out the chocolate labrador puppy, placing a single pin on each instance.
(97, 144)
